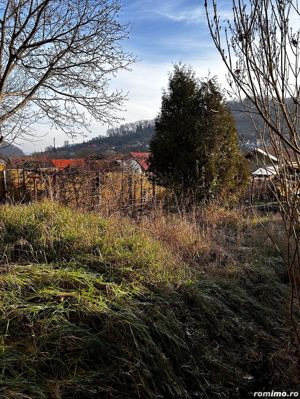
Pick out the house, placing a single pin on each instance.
(260, 160)
(266, 172)
(266, 163)
(139, 161)
(267, 169)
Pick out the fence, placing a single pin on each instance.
(107, 192)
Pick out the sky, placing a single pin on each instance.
(162, 33)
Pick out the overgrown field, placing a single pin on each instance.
(164, 307)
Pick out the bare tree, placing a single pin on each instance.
(260, 47)
(56, 61)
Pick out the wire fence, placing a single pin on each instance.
(104, 191)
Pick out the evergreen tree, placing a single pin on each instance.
(195, 146)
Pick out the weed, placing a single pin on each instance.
(160, 308)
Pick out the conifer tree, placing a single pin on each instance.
(195, 146)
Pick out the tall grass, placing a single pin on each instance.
(166, 307)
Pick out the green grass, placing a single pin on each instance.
(94, 308)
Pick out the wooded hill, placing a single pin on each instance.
(10, 150)
(136, 136)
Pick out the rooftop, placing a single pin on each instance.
(142, 158)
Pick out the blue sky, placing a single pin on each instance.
(162, 32)
(165, 30)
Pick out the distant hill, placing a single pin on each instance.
(10, 150)
(136, 137)
(245, 128)
(125, 138)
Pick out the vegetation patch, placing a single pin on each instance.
(114, 312)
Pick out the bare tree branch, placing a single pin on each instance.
(260, 47)
(56, 61)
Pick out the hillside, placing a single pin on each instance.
(126, 138)
(164, 308)
(244, 125)
(136, 137)
(10, 150)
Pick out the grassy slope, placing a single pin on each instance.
(94, 308)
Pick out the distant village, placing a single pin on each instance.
(111, 181)
(113, 171)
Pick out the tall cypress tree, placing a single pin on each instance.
(195, 146)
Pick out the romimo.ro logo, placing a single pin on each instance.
(276, 394)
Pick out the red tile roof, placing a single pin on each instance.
(142, 158)
(65, 163)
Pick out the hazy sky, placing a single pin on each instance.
(162, 33)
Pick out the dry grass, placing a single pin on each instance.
(177, 306)
(214, 237)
